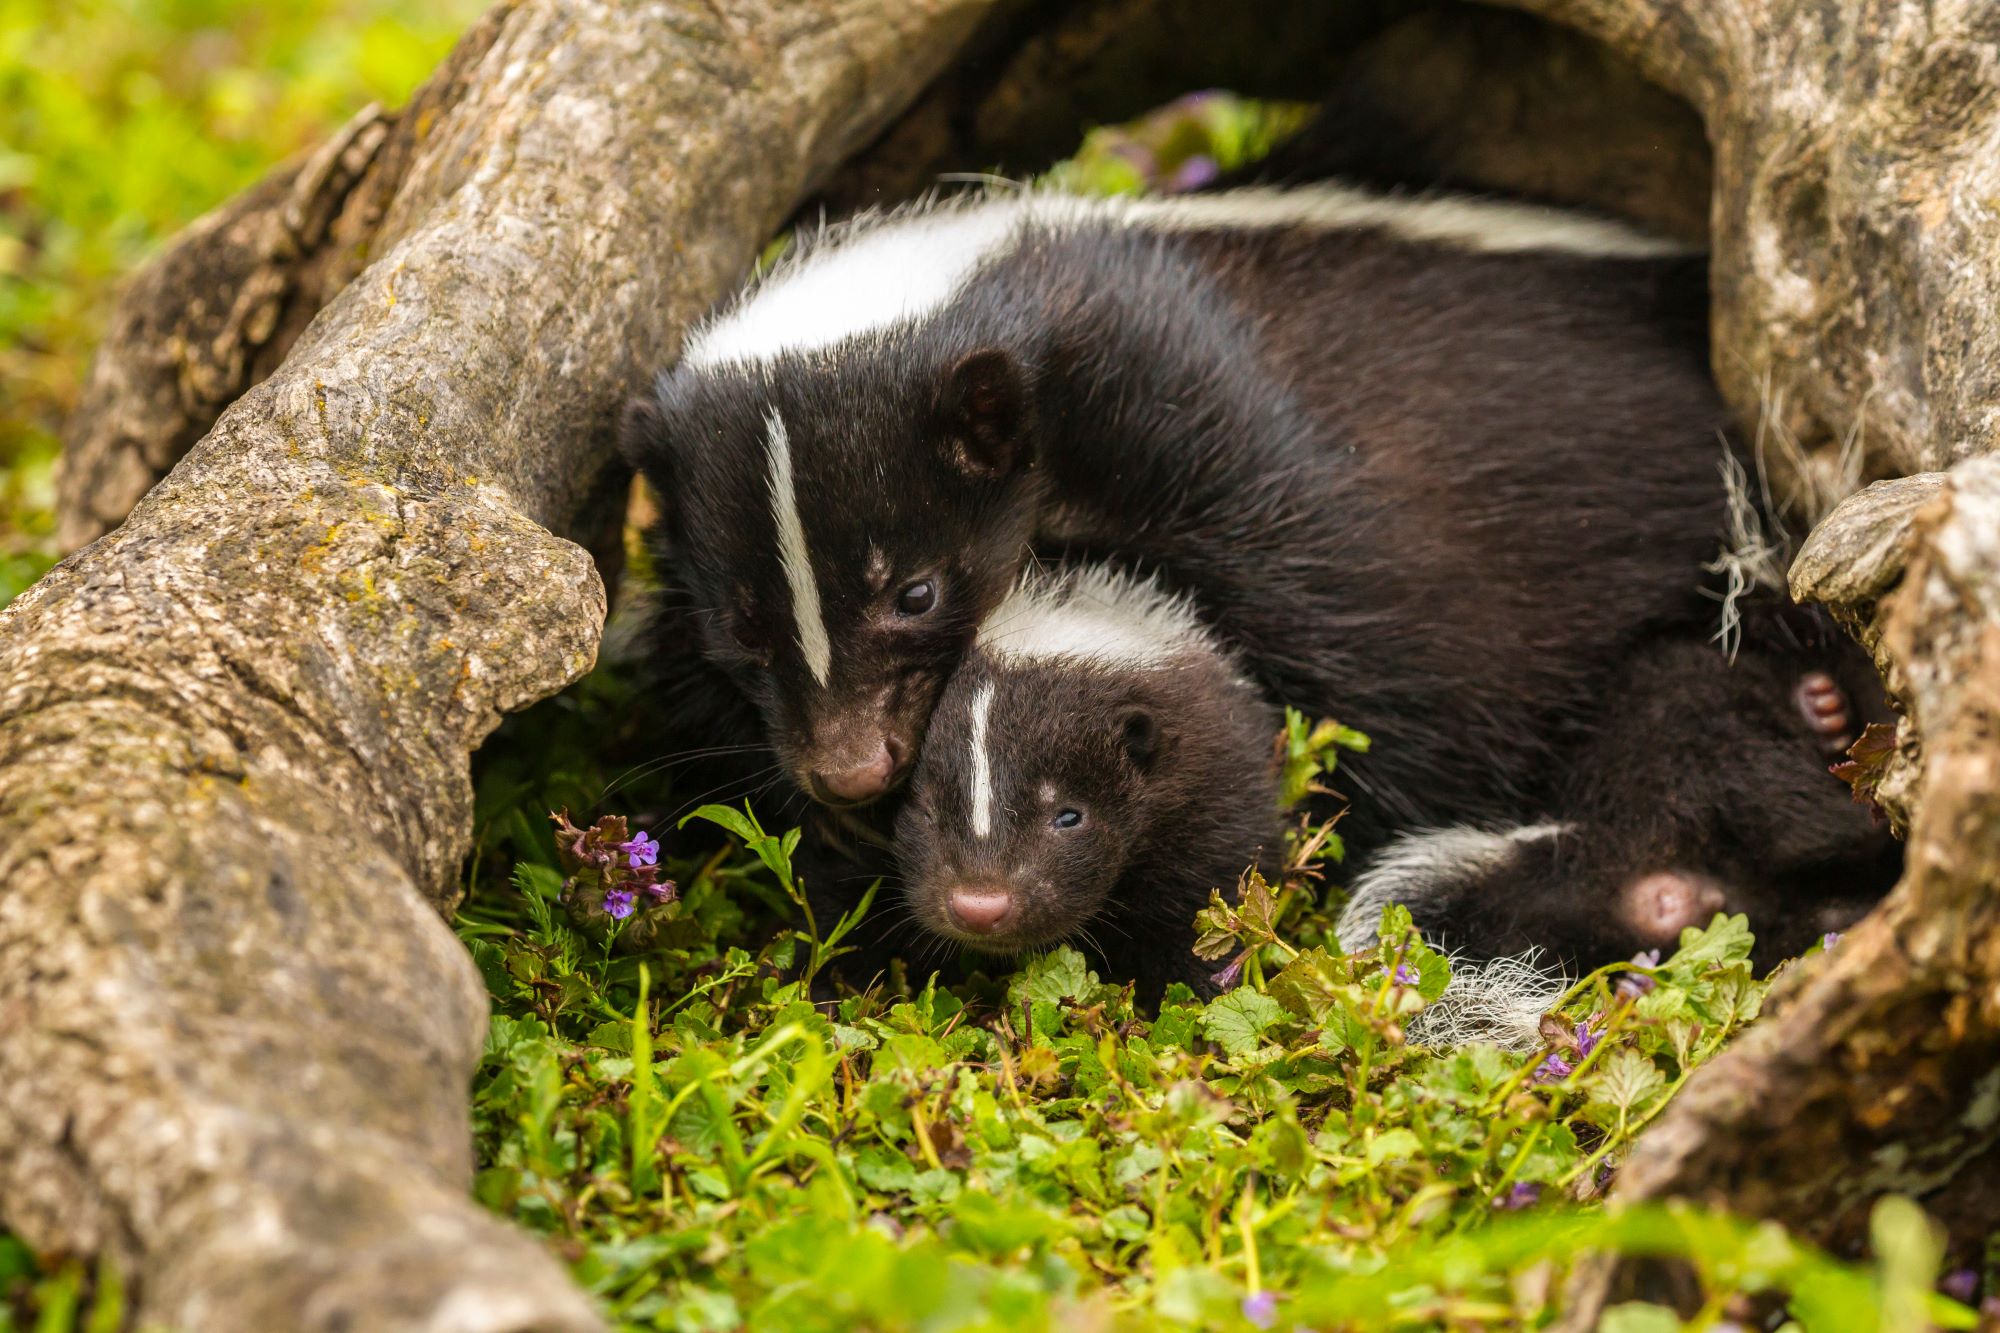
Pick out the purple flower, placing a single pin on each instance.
(1405, 975)
(1828, 940)
(1631, 985)
(618, 903)
(1261, 1308)
(1192, 174)
(1961, 1285)
(1227, 978)
(1521, 1194)
(663, 892)
(641, 850)
(1552, 1070)
(1586, 1040)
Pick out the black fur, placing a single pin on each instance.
(1437, 494)
(1704, 790)
(1170, 769)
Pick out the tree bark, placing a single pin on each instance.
(1857, 308)
(234, 733)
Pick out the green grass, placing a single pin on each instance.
(711, 1151)
(707, 1149)
(120, 121)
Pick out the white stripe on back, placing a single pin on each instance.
(982, 768)
(1463, 222)
(883, 271)
(792, 551)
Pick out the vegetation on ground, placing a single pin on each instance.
(711, 1149)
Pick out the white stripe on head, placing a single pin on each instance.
(792, 551)
(982, 767)
(1418, 866)
(1094, 614)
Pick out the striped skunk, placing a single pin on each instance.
(1094, 769)
(1099, 764)
(1703, 790)
(1431, 465)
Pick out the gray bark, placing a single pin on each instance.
(1857, 306)
(234, 733)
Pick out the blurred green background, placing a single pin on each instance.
(121, 121)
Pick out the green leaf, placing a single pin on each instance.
(1639, 1317)
(1237, 1021)
(1625, 1080)
(1060, 974)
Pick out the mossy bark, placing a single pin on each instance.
(235, 731)
(1857, 310)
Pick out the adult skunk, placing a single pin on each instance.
(1430, 465)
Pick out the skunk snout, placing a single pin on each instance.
(852, 780)
(982, 909)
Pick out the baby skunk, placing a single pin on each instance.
(1095, 767)
(1430, 464)
(1706, 790)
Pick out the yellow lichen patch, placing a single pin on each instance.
(313, 558)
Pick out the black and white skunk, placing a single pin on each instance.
(1095, 768)
(1705, 789)
(1099, 764)
(1431, 465)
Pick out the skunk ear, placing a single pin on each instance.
(1139, 734)
(983, 414)
(642, 435)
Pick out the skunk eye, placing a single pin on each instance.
(916, 599)
(745, 635)
(1067, 819)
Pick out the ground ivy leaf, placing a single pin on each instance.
(1060, 974)
(1625, 1080)
(1237, 1021)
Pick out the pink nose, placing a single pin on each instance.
(981, 911)
(863, 781)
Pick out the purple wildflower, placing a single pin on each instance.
(1828, 940)
(641, 850)
(1227, 978)
(1192, 174)
(1261, 1308)
(1586, 1040)
(1631, 985)
(1406, 975)
(1521, 1194)
(663, 892)
(618, 903)
(1552, 1070)
(1961, 1285)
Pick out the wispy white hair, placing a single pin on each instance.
(1500, 1002)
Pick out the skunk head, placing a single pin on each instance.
(843, 518)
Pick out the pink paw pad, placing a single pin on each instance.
(1823, 704)
(1657, 907)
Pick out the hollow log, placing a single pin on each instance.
(1857, 308)
(235, 732)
